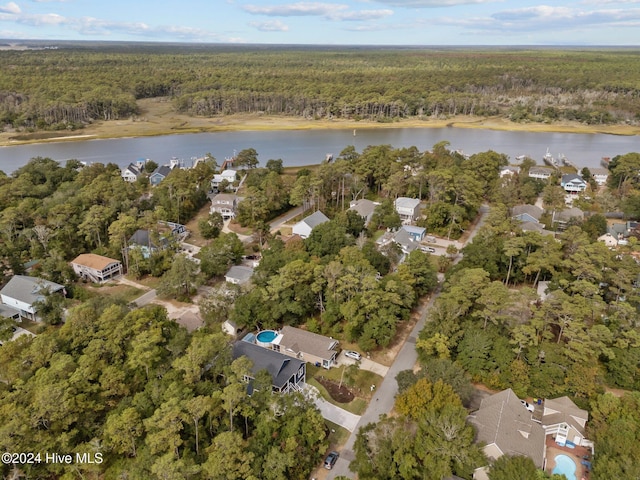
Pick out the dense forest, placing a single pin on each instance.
(69, 87)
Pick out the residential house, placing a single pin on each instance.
(364, 208)
(509, 170)
(9, 312)
(541, 173)
(506, 427)
(306, 225)
(609, 240)
(230, 328)
(408, 208)
(600, 175)
(564, 217)
(238, 274)
(226, 204)
(228, 175)
(573, 183)
(131, 173)
(622, 231)
(177, 229)
(415, 233)
(527, 213)
(23, 293)
(159, 175)
(287, 374)
(405, 240)
(304, 345)
(96, 268)
(565, 422)
(142, 239)
(535, 227)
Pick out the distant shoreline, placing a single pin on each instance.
(170, 123)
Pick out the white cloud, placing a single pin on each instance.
(361, 15)
(296, 9)
(10, 7)
(270, 26)
(432, 3)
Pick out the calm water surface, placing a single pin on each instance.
(308, 147)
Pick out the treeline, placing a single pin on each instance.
(66, 88)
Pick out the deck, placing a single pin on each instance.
(577, 454)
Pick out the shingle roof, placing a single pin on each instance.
(91, 260)
(503, 421)
(298, 340)
(315, 219)
(240, 273)
(279, 366)
(29, 289)
(363, 207)
(532, 210)
(559, 410)
(405, 202)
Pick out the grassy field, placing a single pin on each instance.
(158, 117)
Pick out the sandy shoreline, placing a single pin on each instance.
(169, 123)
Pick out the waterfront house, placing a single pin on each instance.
(23, 293)
(407, 208)
(541, 173)
(600, 175)
(131, 173)
(159, 175)
(509, 170)
(96, 268)
(573, 183)
(304, 227)
(228, 175)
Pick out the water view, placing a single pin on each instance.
(308, 147)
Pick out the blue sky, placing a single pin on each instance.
(347, 22)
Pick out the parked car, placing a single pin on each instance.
(352, 354)
(331, 460)
(528, 406)
(428, 249)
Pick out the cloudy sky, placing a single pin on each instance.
(346, 22)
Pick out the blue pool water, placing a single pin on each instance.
(267, 336)
(565, 466)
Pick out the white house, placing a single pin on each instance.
(541, 173)
(573, 183)
(304, 227)
(23, 292)
(600, 175)
(131, 173)
(407, 208)
(509, 170)
(96, 268)
(228, 175)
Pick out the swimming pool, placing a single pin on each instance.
(265, 337)
(565, 466)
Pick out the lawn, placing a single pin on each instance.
(359, 385)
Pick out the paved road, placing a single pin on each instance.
(281, 220)
(384, 399)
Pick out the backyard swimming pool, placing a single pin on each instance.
(565, 466)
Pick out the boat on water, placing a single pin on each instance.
(554, 162)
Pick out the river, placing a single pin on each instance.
(308, 147)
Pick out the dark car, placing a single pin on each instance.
(331, 460)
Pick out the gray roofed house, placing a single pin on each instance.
(564, 420)
(131, 173)
(506, 427)
(405, 241)
(527, 213)
(159, 174)
(308, 346)
(364, 208)
(142, 239)
(407, 208)
(287, 373)
(9, 312)
(23, 292)
(541, 173)
(307, 224)
(572, 182)
(563, 217)
(238, 274)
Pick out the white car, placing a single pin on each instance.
(352, 354)
(528, 406)
(428, 249)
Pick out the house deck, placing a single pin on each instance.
(577, 454)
